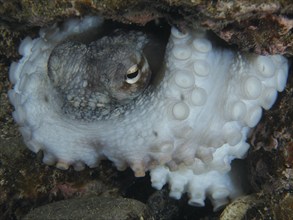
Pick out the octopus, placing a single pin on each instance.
(81, 101)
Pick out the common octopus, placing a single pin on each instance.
(185, 127)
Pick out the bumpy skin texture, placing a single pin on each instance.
(185, 130)
(95, 79)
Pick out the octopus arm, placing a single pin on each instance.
(186, 131)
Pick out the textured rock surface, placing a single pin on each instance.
(260, 207)
(263, 27)
(18, 18)
(101, 208)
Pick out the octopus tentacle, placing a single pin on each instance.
(185, 129)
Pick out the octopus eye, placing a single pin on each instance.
(133, 74)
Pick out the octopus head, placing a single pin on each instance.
(104, 74)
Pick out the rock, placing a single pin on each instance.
(238, 209)
(262, 27)
(259, 207)
(91, 208)
(162, 206)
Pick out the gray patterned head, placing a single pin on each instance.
(112, 70)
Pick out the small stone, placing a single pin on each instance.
(91, 208)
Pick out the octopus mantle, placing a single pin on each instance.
(186, 133)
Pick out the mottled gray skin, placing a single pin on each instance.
(95, 78)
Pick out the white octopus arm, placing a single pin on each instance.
(186, 133)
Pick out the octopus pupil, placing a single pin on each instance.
(132, 75)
